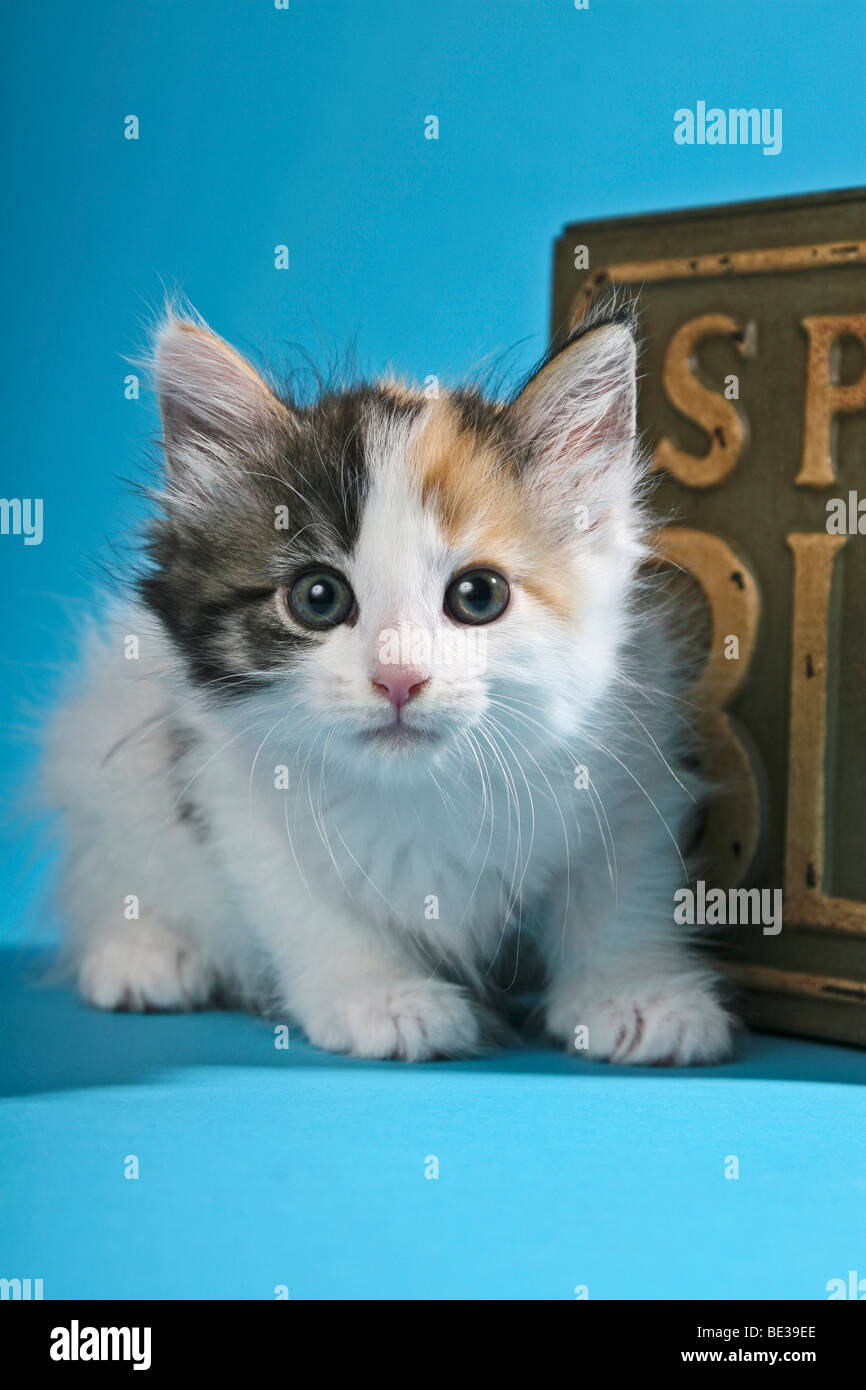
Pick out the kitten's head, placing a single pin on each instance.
(386, 571)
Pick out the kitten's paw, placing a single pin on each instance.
(144, 967)
(663, 1025)
(410, 1019)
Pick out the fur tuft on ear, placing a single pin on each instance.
(576, 418)
(216, 409)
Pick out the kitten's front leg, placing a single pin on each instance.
(353, 990)
(628, 989)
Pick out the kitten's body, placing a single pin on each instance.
(292, 835)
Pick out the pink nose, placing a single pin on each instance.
(399, 685)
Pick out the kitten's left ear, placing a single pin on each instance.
(215, 407)
(576, 417)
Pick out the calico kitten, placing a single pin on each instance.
(390, 698)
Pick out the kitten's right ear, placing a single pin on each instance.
(214, 406)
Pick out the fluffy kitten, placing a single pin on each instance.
(390, 696)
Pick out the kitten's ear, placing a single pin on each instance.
(214, 406)
(576, 417)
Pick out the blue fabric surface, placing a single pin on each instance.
(260, 1168)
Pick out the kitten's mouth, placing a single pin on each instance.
(399, 736)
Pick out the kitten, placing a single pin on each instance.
(390, 699)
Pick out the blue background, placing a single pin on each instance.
(306, 127)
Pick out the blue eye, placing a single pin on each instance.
(321, 598)
(477, 596)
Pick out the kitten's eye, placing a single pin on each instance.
(320, 599)
(477, 596)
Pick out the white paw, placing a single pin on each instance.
(144, 967)
(675, 1025)
(409, 1019)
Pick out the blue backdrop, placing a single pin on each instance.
(305, 127)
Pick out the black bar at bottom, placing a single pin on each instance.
(149, 1338)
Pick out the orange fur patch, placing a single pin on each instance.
(483, 509)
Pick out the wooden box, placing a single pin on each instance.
(753, 403)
